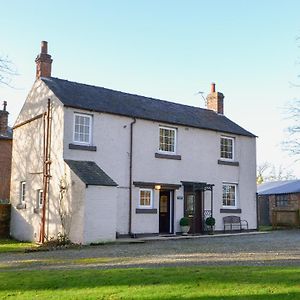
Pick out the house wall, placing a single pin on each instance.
(73, 206)
(199, 150)
(5, 168)
(27, 165)
(100, 218)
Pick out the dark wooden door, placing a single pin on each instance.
(193, 210)
(263, 211)
(164, 212)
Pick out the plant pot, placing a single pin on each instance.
(185, 229)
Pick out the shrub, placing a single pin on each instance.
(210, 221)
(184, 221)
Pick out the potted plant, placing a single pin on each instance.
(210, 221)
(185, 225)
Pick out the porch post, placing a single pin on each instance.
(211, 201)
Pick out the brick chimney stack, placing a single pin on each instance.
(215, 100)
(43, 62)
(3, 119)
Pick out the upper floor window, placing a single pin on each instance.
(22, 192)
(82, 129)
(282, 201)
(227, 148)
(229, 195)
(167, 140)
(145, 198)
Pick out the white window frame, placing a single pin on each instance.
(23, 192)
(151, 198)
(175, 140)
(235, 195)
(90, 131)
(233, 147)
(39, 199)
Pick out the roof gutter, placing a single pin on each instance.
(130, 177)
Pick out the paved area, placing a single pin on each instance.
(278, 248)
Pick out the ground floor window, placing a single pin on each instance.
(229, 195)
(282, 201)
(22, 192)
(39, 198)
(145, 200)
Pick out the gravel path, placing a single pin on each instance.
(279, 248)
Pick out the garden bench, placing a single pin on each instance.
(234, 223)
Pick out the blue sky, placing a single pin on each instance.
(169, 50)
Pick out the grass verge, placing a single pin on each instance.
(228, 283)
(10, 245)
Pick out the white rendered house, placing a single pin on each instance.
(122, 164)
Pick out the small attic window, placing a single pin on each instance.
(82, 130)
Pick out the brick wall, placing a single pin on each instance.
(5, 167)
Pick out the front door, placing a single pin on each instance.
(164, 211)
(193, 210)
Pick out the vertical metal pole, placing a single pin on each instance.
(46, 170)
(211, 201)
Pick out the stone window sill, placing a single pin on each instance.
(168, 156)
(228, 163)
(146, 211)
(231, 210)
(82, 147)
(21, 206)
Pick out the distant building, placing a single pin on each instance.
(279, 203)
(5, 154)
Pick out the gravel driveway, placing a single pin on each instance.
(279, 248)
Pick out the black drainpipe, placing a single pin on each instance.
(130, 177)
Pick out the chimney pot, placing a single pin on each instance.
(213, 87)
(44, 47)
(4, 105)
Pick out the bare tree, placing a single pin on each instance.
(267, 172)
(7, 70)
(261, 172)
(292, 143)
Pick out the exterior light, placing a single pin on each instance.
(157, 187)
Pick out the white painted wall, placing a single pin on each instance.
(198, 148)
(100, 217)
(27, 165)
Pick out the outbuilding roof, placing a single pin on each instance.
(279, 187)
(90, 173)
(99, 99)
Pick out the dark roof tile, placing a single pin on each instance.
(82, 96)
(90, 173)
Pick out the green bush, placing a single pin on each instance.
(210, 221)
(184, 221)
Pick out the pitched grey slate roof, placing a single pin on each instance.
(90, 173)
(279, 187)
(78, 95)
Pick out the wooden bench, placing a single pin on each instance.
(234, 223)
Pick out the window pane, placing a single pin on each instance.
(229, 192)
(82, 129)
(145, 198)
(167, 139)
(226, 148)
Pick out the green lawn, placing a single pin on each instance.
(10, 245)
(160, 283)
